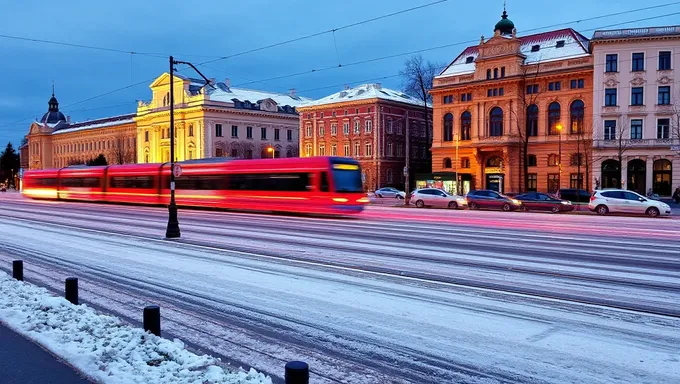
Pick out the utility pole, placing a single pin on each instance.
(407, 168)
(456, 138)
(172, 231)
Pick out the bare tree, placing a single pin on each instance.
(584, 151)
(675, 123)
(122, 152)
(619, 141)
(418, 77)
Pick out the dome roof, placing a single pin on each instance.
(53, 116)
(505, 25)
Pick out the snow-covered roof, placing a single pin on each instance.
(224, 93)
(540, 47)
(364, 92)
(98, 123)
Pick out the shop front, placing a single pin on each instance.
(445, 181)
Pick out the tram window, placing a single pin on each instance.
(141, 182)
(48, 182)
(269, 182)
(81, 182)
(324, 182)
(201, 182)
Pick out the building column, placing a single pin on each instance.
(649, 172)
(315, 150)
(624, 172)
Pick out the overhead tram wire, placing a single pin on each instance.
(375, 59)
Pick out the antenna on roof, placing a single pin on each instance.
(53, 87)
(504, 1)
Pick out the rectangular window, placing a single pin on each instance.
(389, 126)
(146, 136)
(664, 60)
(263, 133)
(502, 72)
(345, 150)
(357, 127)
(249, 132)
(463, 97)
(611, 63)
(308, 150)
(357, 149)
(577, 83)
(234, 131)
(638, 62)
(469, 97)
(334, 150)
(663, 128)
(289, 135)
(576, 180)
(489, 93)
(369, 126)
(334, 129)
(636, 96)
(572, 84)
(399, 128)
(277, 134)
(191, 130)
(495, 91)
(610, 129)
(553, 182)
(500, 92)
(465, 162)
(581, 83)
(322, 150)
(532, 182)
(390, 151)
(636, 129)
(554, 86)
(610, 97)
(322, 130)
(369, 149)
(664, 95)
(532, 89)
(308, 131)
(448, 99)
(218, 130)
(345, 128)
(400, 150)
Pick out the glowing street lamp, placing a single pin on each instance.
(559, 127)
(271, 150)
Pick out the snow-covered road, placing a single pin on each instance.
(397, 295)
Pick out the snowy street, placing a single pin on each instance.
(394, 295)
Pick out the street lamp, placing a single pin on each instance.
(559, 127)
(456, 139)
(271, 150)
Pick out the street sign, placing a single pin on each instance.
(675, 148)
(177, 170)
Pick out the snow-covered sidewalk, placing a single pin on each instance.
(103, 347)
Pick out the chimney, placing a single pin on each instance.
(292, 93)
(378, 85)
(68, 119)
(346, 87)
(227, 82)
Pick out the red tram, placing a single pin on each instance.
(313, 185)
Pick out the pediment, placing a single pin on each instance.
(164, 80)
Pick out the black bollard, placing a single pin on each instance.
(152, 319)
(71, 290)
(18, 270)
(297, 372)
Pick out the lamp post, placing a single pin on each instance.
(456, 139)
(271, 149)
(559, 127)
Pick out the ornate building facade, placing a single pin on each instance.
(369, 123)
(637, 109)
(216, 120)
(517, 110)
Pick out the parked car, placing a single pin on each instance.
(487, 199)
(390, 192)
(544, 202)
(573, 195)
(3, 188)
(433, 197)
(624, 201)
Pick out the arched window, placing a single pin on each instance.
(532, 120)
(447, 162)
(496, 122)
(553, 118)
(488, 74)
(494, 162)
(465, 123)
(576, 116)
(553, 160)
(611, 174)
(495, 73)
(662, 177)
(448, 127)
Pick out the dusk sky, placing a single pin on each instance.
(207, 30)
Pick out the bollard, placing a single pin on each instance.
(18, 270)
(297, 372)
(71, 290)
(152, 319)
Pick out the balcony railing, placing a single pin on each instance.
(634, 143)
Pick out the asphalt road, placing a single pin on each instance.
(394, 295)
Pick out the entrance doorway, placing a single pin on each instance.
(611, 173)
(494, 182)
(637, 176)
(662, 176)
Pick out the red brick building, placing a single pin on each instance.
(369, 123)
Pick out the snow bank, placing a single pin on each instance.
(105, 348)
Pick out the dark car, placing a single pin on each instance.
(574, 195)
(486, 199)
(544, 202)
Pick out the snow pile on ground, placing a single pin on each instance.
(105, 348)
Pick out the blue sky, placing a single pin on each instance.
(217, 28)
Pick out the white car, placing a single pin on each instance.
(434, 197)
(624, 201)
(390, 192)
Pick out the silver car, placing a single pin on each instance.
(390, 192)
(434, 197)
(624, 201)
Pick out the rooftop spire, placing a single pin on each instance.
(52, 87)
(505, 25)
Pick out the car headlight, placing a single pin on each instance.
(566, 202)
(516, 201)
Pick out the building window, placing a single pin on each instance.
(345, 112)
(576, 159)
(234, 131)
(636, 129)
(190, 155)
(333, 114)
(636, 96)
(495, 73)
(535, 48)
(390, 176)
(400, 150)
(357, 149)
(321, 115)
(448, 127)
(465, 123)
(500, 91)
(554, 86)
(465, 162)
(531, 161)
(399, 130)
(532, 89)
(249, 154)
(554, 113)
(638, 62)
(448, 99)
(234, 152)
(308, 131)
(308, 149)
(496, 122)
(277, 134)
(345, 149)
(218, 153)
(502, 72)
(289, 135)
(369, 126)
(532, 182)
(249, 132)
(389, 126)
(577, 83)
(334, 129)
(356, 111)
(146, 136)
(559, 44)
(532, 120)
(322, 149)
(553, 160)
(553, 182)
(263, 133)
(664, 60)
(390, 149)
(610, 129)
(357, 127)
(576, 180)
(334, 149)
(447, 162)
(611, 63)
(610, 97)
(218, 130)
(322, 130)
(576, 116)
(488, 74)
(345, 128)
(369, 149)
(664, 95)
(662, 128)
(191, 130)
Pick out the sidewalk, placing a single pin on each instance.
(23, 362)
